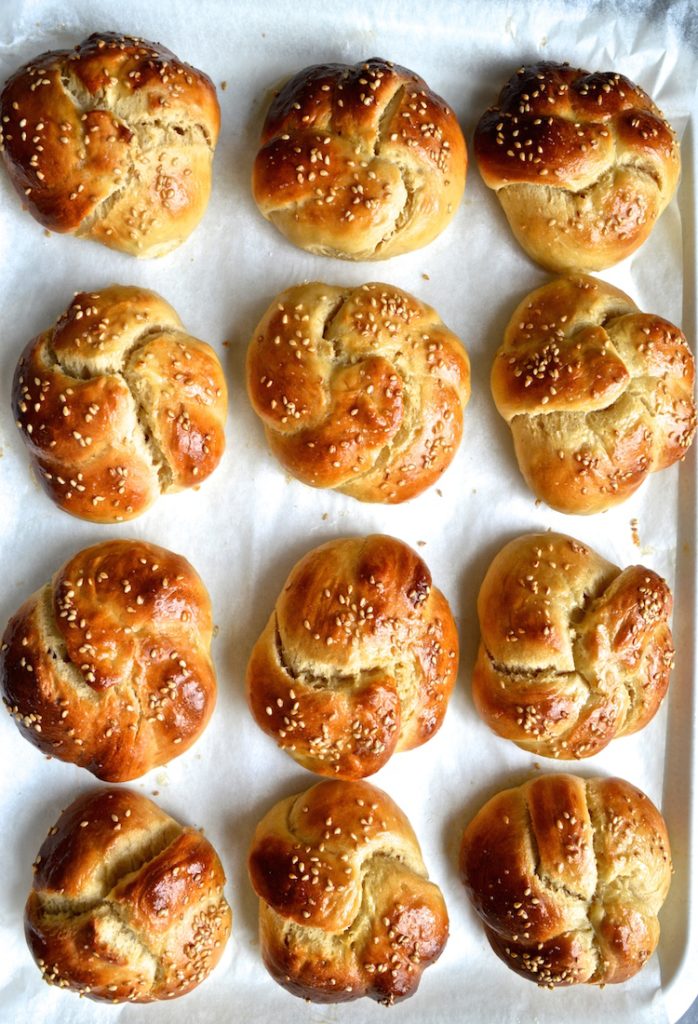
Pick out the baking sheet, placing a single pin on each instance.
(249, 523)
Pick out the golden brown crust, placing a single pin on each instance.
(112, 141)
(568, 877)
(108, 666)
(345, 908)
(127, 904)
(583, 164)
(360, 389)
(574, 652)
(117, 403)
(358, 659)
(359, 161)
(597, 394)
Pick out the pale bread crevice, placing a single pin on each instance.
(144, 436)
(323, 678)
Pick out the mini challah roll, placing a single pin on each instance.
(574, 651)
(127, 905)
(108, 666)
(112, 141)
(583, 164)
(359, 389)
(597, 394)
(361, 161)
(117, 404)
(358, 659)
(568, 876)
(345, 905)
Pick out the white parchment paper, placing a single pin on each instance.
(247, 525)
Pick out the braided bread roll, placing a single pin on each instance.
(127, 905)
(568, 876)
(108, 666)
(112, 141)
(359, 389)
(583, 164)
(597, 394)
(118, 404)
(345, 906)
(574, 652)
(358, 659)
(360, 161)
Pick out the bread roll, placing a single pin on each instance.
(583, 164)
(597, 394)
(359, 161)
(574, 651)
(359, 389)
(118, 404)
(127, 905)
(112, 141)
(108, 666)
(568, 876)
(345, 907)
(358, 659)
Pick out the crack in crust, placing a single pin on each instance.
(346, 909)
(127, 904)
(151, 134)
(568, 877)
(357, 661)
(108, 667)
(147, 441)
(359, 162)
(117, 404)
(360, 389)
(597, 394)
(574, 652)
(84, 101)
(583, 164)
(112, 141)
